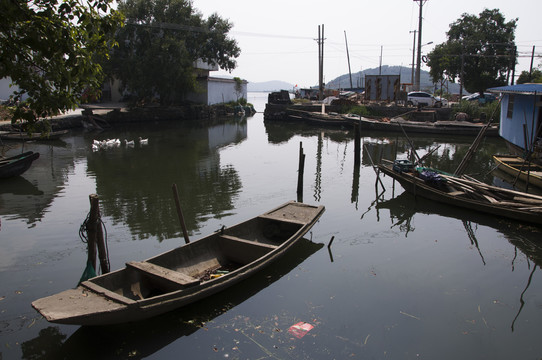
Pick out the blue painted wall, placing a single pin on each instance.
(511, 129)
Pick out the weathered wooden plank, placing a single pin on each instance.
(163, 272)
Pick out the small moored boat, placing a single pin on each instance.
(181, 276)
(466, 193)
(518, 167)
(16, 165)
(24, 136)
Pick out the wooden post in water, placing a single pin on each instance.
(180, 213)
(300, 173)
(96, 236)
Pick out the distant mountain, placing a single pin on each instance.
(358, 78)
(269, 86)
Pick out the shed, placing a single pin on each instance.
(521, 118)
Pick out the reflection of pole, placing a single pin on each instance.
(300, 171)
(357, 162)
(318, 181)
(357, 143)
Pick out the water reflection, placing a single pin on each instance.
(30, 195)
(144, 338)
(135, 183)
(403, 208)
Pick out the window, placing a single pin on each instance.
(510, 110)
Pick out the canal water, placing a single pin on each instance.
(404, 278)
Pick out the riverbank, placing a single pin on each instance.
(103, 115)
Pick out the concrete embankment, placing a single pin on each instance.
(278, 111)
(117, 113)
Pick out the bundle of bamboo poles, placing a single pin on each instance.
(469, 187)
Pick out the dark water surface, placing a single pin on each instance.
(405, 279)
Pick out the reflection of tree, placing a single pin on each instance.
(46, 346)
(178, 155)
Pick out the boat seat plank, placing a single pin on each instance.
(162, 272)
(107, 293)
(234, 238)
(293, 221)
(456, 193)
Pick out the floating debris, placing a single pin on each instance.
(300, 329)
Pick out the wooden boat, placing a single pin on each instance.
(16, 165)
(24, 136)
(144, 289)
(468, 193)
(516, 166)
(317, 118)
(448, 127)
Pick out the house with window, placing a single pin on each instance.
(521, 118)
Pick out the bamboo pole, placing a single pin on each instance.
(180, 213)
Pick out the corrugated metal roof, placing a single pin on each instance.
(525, 89)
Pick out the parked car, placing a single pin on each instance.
(421, 98)
(486, 98)
(443, 101)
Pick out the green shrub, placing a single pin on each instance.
(357, 110)
(475, 110)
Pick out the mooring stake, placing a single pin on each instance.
(180, 213)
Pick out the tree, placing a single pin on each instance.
(534, 77)
(480, 51)
(160, 44)
(51, 50)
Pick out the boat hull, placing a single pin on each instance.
(23, 136)
(519, 168)
(425, 127)
(418, 187)
(184, 275)
(17, 165)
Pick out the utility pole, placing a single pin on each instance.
(348, 57)
(321, 63)
(515, 49)
(380, 67)
(413, 54)
(419, 60)
(531, 68)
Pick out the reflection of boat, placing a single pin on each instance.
(13, 135)
(147, 337)
(529, 172)
(469, 194)
(16, 165)
(426, 127)
(183, 275)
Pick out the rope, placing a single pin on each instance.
(84, 238)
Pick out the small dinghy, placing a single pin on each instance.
(181, 276)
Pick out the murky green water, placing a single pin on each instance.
(405, 278)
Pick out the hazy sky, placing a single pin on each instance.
(277, 38)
